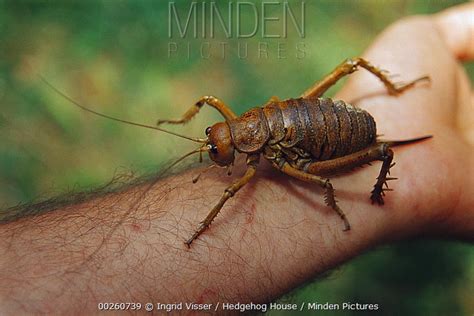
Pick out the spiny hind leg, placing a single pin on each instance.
(378, 151)
(329, 198)
(210, 100)
(252, 161)
(351, 65)
(378, 191)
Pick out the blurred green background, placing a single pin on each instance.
(113, 57)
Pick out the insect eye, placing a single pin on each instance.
(214, 149)
(208, 131)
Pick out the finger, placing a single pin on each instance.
(456, 26)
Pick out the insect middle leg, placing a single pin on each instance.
(210, 100)
(351, 65)
(252, 162)
(330, 198)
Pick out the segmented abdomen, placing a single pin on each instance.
(325, 128)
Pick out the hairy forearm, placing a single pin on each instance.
(128, 246)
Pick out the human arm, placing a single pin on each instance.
(276, 233)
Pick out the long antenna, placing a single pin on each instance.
(198, 140)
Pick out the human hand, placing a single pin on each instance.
(436, 178)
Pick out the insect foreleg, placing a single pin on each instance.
(210, 100)
(330, 198)
(252, 162)
(351, 65)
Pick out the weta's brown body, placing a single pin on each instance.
(309, 138)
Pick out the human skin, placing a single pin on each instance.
(276, 233)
